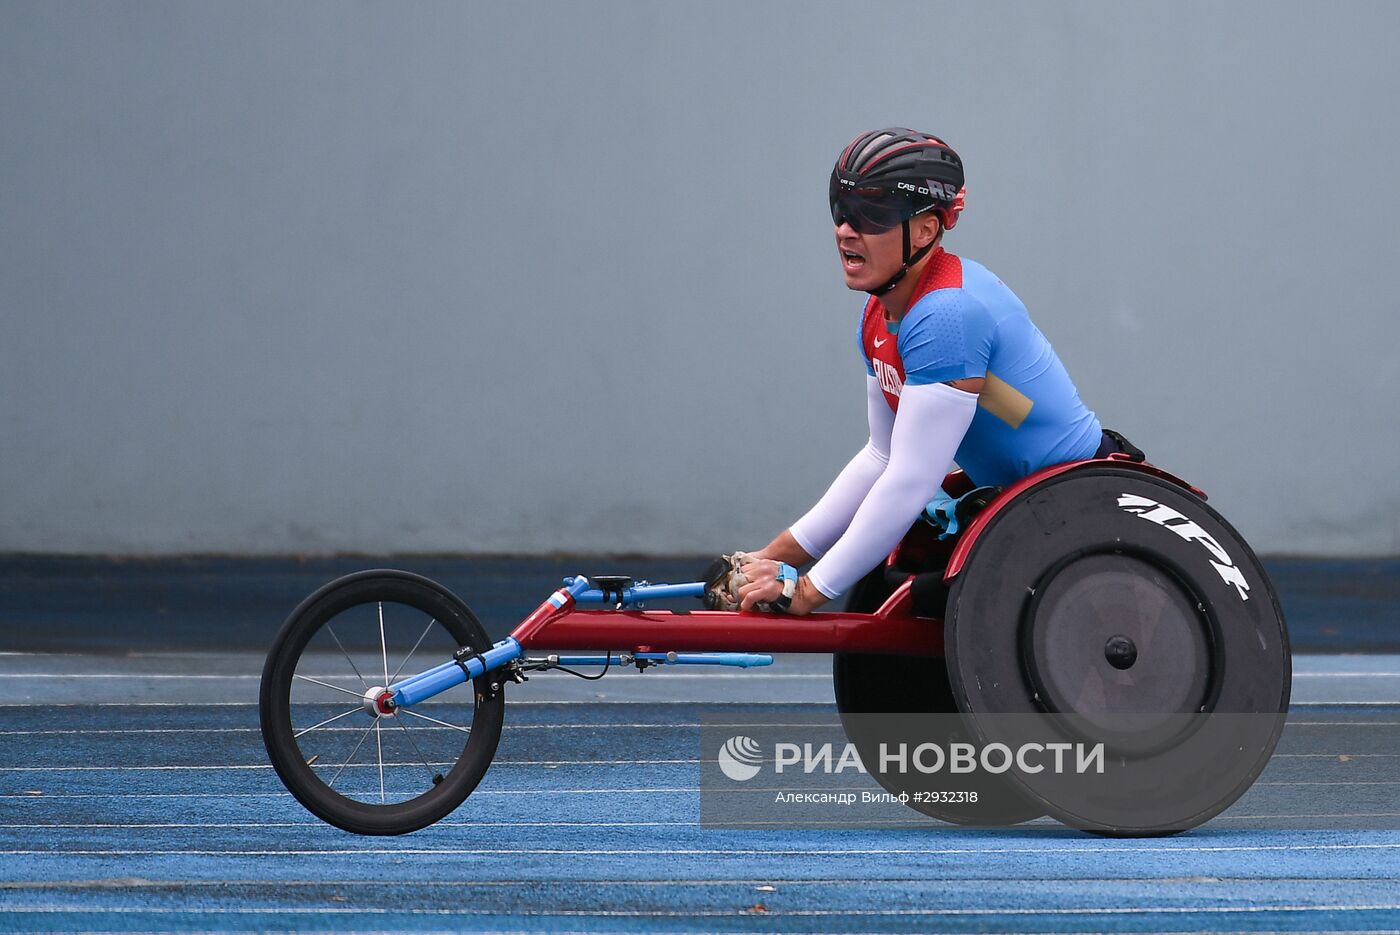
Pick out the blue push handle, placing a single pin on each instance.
(642, 592)
(742, 660)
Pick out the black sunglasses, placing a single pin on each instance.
(871, 211)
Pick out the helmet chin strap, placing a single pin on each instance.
(909, 260)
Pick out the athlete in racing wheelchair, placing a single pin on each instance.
(1057, 591)
(1067, 586)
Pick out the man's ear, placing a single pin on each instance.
(925, 229)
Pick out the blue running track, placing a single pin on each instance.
(135, 796)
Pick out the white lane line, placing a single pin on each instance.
(1309, 782)
(593, 725)
(318, 824)
(244, 766)
(712, 931)
(579, 725)
(894, 823)
(678, 790)
(287, 795)
(680, 761)
(130, 730)
(127, 675)
(1131, 846)
(670, 675)
(46, 705)
(1344, 723)
(603, 700)
(1391, 703)
(707, 676)
(712, 913)
(1346, 675)
(515, 882)
(1333, 756)
(1334, 815)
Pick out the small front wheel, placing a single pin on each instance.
(351, 762)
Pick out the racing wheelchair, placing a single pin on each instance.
(1098, 601)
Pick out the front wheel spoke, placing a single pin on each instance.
(465, 730)
(328, 720)
(307, 678)
(379, 743)
(351, 758)
(330, 629)
(412, 743)
(393, 678)
(383, 646)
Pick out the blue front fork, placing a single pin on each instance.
(466, 666)
(437, 680)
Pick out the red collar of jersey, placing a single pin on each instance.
(942, 271)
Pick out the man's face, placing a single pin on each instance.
(867, 260)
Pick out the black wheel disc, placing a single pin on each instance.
(1118, 646)
(1107, 606)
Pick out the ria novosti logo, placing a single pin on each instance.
(740, 757)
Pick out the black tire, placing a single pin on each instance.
(870, 683)
(889, 699)
(1109, 606)
(366, 616)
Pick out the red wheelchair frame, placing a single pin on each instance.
(888, 660)
(890, 629)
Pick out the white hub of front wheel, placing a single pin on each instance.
(378, 702)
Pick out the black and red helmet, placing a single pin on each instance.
(920, 168)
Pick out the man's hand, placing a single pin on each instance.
(723, 579)
(763, 585)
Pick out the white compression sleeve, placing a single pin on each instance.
(824, 523)
(931, 423)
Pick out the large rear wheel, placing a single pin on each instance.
(1116, 613)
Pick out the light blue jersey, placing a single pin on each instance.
(964, 322)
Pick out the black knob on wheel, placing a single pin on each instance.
(1120, 652)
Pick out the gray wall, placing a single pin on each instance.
(549, 277)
